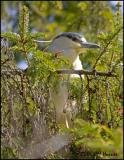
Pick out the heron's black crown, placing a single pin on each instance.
(76, 37)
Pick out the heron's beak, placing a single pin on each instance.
(89, 45)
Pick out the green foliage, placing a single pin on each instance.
(96, 140)
(14, 37)
(25, 94)
(8, 152)
(23, 43)
(43, 66)
(23, 22)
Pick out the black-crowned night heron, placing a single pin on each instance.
(68, 45)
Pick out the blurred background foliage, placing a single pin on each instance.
(98, 127)
(54, 17)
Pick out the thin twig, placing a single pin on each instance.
(106, 46)
(89, 97)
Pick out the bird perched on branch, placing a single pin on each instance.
(68, 45)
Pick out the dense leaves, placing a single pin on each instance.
(28, 115)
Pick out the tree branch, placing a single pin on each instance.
(66, 71)
(85, 72)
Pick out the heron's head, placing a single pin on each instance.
(69, 45)
(72, 40)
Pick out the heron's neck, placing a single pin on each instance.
(77, 65)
